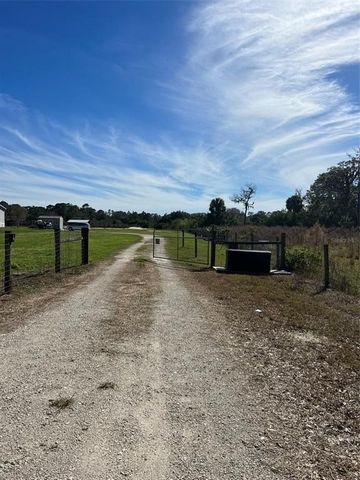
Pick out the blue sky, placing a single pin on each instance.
(160, 106)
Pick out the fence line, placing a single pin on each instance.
(23, 254)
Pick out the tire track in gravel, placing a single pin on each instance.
(209, 425)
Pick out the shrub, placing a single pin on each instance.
(302, 259)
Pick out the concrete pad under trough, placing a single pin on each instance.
(272, 272)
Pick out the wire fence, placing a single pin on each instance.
(181, 246)
(31, 252)
(71, 251)
(305, 252)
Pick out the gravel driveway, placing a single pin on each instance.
(123, 378)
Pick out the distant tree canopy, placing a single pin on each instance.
(332, 200)
(295, 203)
(217, 211)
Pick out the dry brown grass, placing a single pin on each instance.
(302, 352)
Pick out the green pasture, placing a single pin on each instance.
(174, 249)
(33, 249)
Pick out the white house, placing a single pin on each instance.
(2, 216)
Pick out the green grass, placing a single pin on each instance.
(171, 246)
(33, 250)
(104, 243)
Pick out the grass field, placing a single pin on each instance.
(33, 250)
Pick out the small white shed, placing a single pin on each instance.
(2, 216)
(78, 224)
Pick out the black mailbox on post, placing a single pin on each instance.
(248, 261)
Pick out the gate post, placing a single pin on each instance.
(213, 248)
(9, 238)
(283, 251)
(195, 245)
(57, 244)
(84, 246)
(183, 237)
(177, 244)
(154, 243)
(277, 253)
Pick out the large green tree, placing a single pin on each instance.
(333, 198)
(295, 204)
(217, 211)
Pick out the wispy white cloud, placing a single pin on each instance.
(254, 101)
(259, 71)
(105, 166)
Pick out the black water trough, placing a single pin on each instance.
(248, 261)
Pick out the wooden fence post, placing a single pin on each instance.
(154, 235)
(326, 267)
(84, 246)
(278, 253)
(283, 251)
(57, 245)
(9, 238)
(213, 248)
(195, 245)
(177, 244)
(183, 237)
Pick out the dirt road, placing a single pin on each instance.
(147, 371)
(122, 379)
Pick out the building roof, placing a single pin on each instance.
(49, 216)
(78, 220)
(2, 207)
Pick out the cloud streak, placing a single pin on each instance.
(260, 70)
(256, 100)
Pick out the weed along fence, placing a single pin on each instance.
(32, 252)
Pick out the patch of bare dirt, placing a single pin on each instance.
(135, 295)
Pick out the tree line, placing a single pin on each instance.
(332, 200)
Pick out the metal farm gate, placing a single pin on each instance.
(181, 246)
(208, 247)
